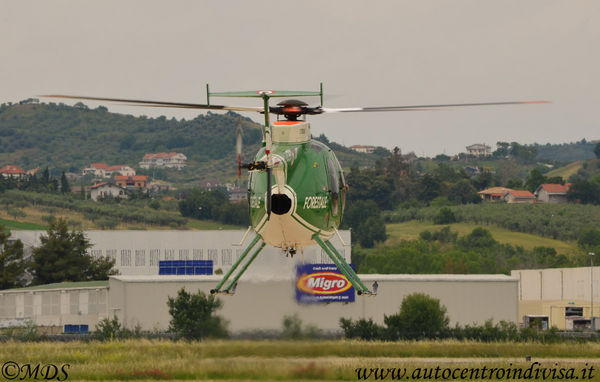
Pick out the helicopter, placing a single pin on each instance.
(296, 187)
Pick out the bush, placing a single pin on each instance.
(362, 329)
(294, 329)
(444, 216)
(110, 330)
(193, 316)
(420, 316)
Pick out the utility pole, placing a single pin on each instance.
(592, 254)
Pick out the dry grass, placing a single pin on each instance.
(278, 360)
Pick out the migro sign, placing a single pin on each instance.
(322, 283)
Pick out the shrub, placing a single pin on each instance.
(420, 316)
(362, 329)
(294, 329)
(444, 216)
(193, 318)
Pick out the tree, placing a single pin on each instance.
(444, 216)
(12, 266)
(62, 256)
(462, 192)
(420, 316)
(590, 238)
(367, 224)
(515, 184)
(193, 318)
(597, 150)
(534, 180)
(584, 191)
(362, 329)
(65, 188)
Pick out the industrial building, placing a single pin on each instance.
(563, 297)
(264, 296)
(138, 252)
(260, 302)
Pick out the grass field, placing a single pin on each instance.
(13, 224)
(566, 171)
(283, 360)
(410, 230)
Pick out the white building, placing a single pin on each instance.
(554, 292)
(363, 149)
(259, 302)
(138, 252)
(106, 190)
(168, 160)
(479, 150)
(102, 170)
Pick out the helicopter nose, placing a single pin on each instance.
(280, 204)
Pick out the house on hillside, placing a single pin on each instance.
(519, 196)
(102, 170)
(165, 160)
(552, 193)
(494, 194)
(137, 182)
(472, 170)
(479, 150)
(12, 171)
(363, 149)
(106, 190)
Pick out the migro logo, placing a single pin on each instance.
(323, 283)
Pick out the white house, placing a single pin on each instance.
(102, 170)
(105, 189)
(168, 160)
(479, 150)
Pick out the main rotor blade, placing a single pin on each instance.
(147, 103)
(421, 107)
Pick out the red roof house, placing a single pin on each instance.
(12, 171)
(552, 193)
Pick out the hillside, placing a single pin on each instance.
(69, 138)
(566, 171)
(565, 152)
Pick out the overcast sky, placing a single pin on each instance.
(367, 53)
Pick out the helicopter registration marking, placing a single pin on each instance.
(315, 202)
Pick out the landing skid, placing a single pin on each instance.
(331, 251)
(344, 267)
(230, 289)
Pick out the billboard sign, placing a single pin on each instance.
(322, 283)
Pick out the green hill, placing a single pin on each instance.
(69, 138)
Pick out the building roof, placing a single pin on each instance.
(161, 155)
(100, 166)
(554, 188)
(98, 185)
(478, 146)
(521, 193)
(364, 277)
(143, 178)
(494, 191)
(64, 285)
(117, 167)
(11, 169)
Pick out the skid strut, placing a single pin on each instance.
(230, 289)
(343, 266)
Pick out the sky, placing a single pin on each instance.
(366, 53)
